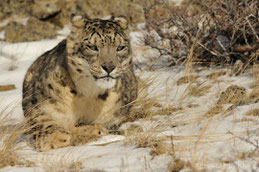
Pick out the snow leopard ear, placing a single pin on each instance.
(122, 21)
(77, 21)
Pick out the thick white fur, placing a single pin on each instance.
(85, 106)
(106, 83)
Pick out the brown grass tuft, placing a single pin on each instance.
(254, 112)
(146, 140)
(214, 75)
(255, 71)
(254, 95)
(63, 165)
(215, 110)
(187, 79)
(198, 90)
(8, 157)
(146, 106)
(7, 87)
(177, 165)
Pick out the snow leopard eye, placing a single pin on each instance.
(120, 48)
(93, 47)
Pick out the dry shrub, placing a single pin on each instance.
(210, 32)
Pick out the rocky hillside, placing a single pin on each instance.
(31, 20)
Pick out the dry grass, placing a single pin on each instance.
(254, 112)
(187, 79)
(7, 87)
(146, 107)
(198, 90)
(62, 165)
(215, 75)
(10, 135)
(149, 107)
(149, 140)
(254, 95)
(255, 72)
(214, 111)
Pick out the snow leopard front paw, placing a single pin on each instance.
(57, 139)
(87, 133)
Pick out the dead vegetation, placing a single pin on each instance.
(63, 165)
(254, 112)
(7, 87)
(145, 140)
(10, 136)
(254, 142)
(215, 75)
(146, 108)
(179, 33)
(198, 90)
(187, 79)
(209, 32)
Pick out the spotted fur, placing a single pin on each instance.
(86, 79)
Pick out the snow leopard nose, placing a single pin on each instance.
(108, 68)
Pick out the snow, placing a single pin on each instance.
(2, 35)
(207, 142)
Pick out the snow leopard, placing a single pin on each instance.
(86, 80)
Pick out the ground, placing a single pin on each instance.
(185, 119)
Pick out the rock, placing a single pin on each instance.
(13, 7)
(33, 30)
(100, 8)
(46, 17)
(44, 9)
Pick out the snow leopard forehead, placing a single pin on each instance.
(107, 31)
